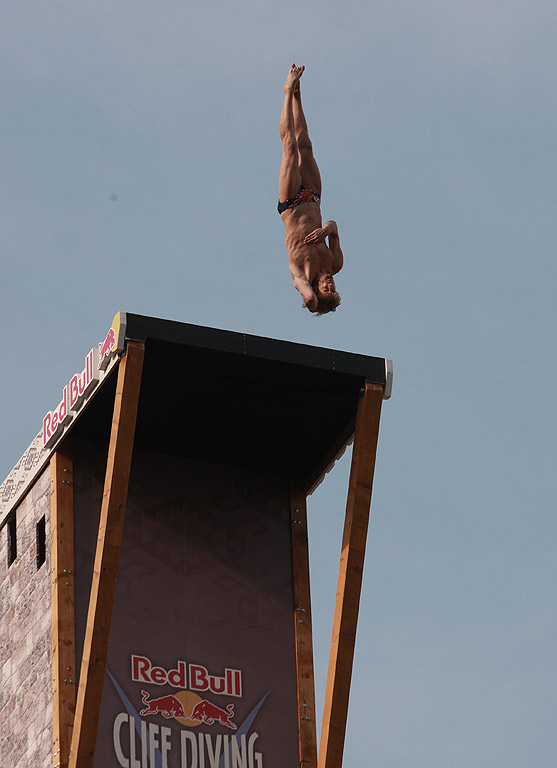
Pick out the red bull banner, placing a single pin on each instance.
(76, 395)
(81, 385)
(201, 662)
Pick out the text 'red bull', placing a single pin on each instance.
(73, 395)
(196, 677)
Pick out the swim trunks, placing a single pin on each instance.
(305, 195)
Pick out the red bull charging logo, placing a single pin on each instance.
(105, 349)
(203, 711)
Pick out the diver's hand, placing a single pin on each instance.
(317, 236)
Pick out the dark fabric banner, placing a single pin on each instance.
(201, 662)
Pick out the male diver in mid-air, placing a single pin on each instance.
(312, 261)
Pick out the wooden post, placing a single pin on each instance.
(302, 617)
(105, 569)
(63, 610)
(350, 578)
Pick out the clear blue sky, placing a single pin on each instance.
(140, 167)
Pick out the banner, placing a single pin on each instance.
(201, 662)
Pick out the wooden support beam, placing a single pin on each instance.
(107, 556)
(63, 610)
(350, 578)
(302, 617)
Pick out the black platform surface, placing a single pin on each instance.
(240, 399)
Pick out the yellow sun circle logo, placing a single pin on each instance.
(188, 700)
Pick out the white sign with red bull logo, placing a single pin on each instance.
(81, 385)
(147, 744)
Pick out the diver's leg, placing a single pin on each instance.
(308, 167)
(290, 179)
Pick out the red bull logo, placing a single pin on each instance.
(105, 349)
(81, 385)
(188, 709)
(148, 737)
(208, 713)
(167, 706)
(196, 677)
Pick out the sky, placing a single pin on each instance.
(140, 173)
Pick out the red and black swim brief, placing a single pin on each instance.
(305, 195)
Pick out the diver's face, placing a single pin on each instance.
(326, 285)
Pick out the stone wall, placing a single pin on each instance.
(25, 638)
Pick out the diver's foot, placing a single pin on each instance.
(293, 80)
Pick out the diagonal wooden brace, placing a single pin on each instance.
(107, 555)
(350, 578)
(62, 596)
(302, 625)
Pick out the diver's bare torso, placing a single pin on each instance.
(308, 260)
